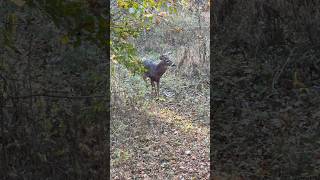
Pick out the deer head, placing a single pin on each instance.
(165, 58)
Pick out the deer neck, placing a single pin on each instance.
(161, 68)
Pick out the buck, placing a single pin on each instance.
(155, 71)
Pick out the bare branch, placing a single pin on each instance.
(55, 96)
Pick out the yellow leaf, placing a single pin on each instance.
(162, 14)
(148, 15)
(64, 39)
(113, 58)
(19, 2)
(178, 29)
(296, 82)
(157, 20)
(122, 4)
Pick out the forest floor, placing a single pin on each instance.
(166, 139)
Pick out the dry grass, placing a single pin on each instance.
(163, 139)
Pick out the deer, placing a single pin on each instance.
(155, 71)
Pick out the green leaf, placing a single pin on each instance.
(113, 70)
(135, 5)
(152, 3)
(175, 10)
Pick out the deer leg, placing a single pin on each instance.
(153, 87)
(145, 79)
(158, 92)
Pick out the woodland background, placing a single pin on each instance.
(54, 98)
(265, 88)
(55, 90)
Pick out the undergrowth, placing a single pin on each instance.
(140, 120)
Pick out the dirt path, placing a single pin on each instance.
(164, 145)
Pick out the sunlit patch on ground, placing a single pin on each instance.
(181, 122)
(166, 144)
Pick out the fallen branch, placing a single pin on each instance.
(55, 96)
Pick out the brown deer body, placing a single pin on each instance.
(155, 71)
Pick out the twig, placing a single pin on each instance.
(55, 96)
(278, 74)
(4, 80)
